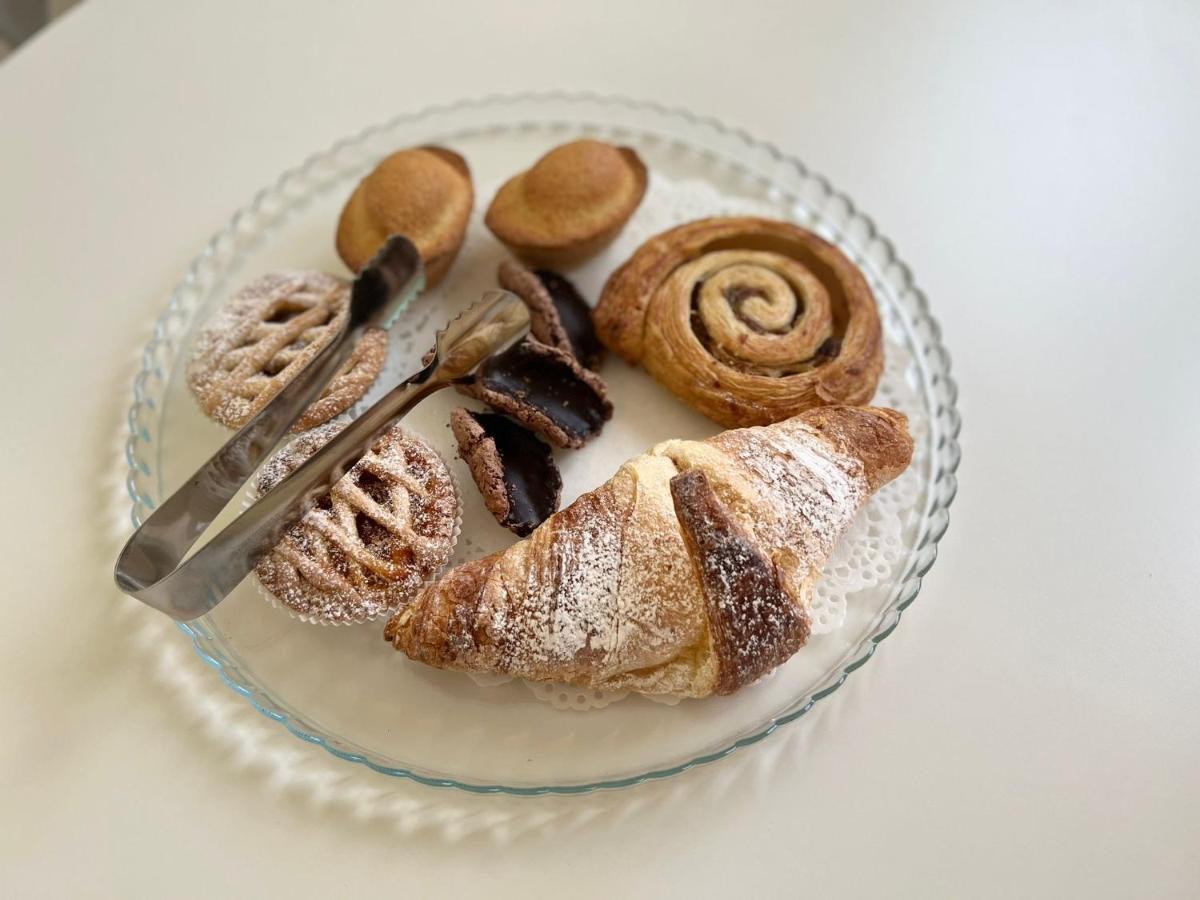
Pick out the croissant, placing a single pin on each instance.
(749, 321)
(688, 573)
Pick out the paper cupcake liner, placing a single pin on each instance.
(251, 496)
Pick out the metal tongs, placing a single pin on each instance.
(152, 568)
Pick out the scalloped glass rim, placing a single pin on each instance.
(812, 193)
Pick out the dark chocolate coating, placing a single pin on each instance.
(514, 470)
(755, 623)
(575, 316)
(546, 390)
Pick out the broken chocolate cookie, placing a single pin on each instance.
(559, 316)
(513, 470)
(576, 317)
(546, 390)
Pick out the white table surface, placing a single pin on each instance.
(1032, 729)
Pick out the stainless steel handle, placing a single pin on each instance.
(152, 568)
(166, 535)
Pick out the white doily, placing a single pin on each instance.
(866, 556)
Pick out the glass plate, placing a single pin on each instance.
(344, 688)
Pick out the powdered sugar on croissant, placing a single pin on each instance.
(687, 573)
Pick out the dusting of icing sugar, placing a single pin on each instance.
(566, 619)
(552, 606)
(262, 338)
(755, 622)
(584, 620)
(372, 541)
(288, 458)
(257, 341)
(870, 553)
(811, 490)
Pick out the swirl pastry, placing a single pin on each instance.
(689, 572)
(747, 320)
(372, 541)
(570, 204)
(425, 194)
(265, 335)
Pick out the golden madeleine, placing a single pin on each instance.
(425, 194)
(570, 204)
